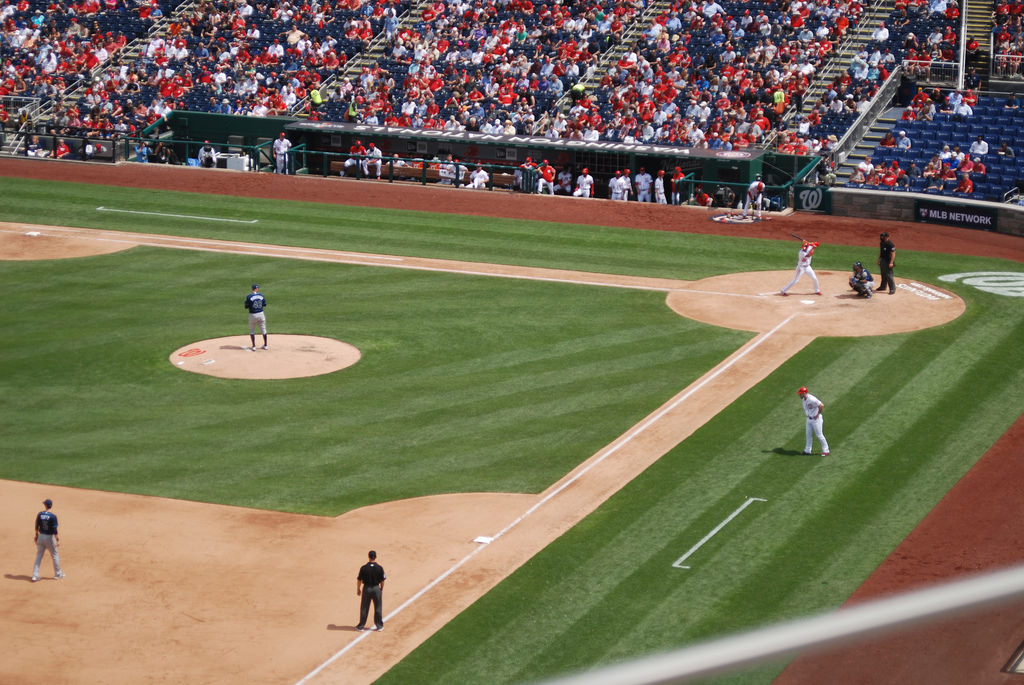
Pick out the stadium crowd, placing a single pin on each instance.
(1008, 38)
(702, 74)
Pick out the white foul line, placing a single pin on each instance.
(219, 246)
(750, 500)
(622, 442)
(429, 586)
(178, 216)
(330, 256)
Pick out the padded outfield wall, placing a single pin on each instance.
(926, 208)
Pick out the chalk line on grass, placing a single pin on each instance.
(366, 259)
(177, 216)
(679, 562)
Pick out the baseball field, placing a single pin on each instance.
(548, 421)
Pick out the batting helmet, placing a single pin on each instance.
(802, 391)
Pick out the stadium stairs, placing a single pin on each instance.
(373, 54)
(867, 144)
(591, 78)
(856, 38)
(42, 112)
(978, 25)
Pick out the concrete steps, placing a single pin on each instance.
(865, 147)
(978, 25)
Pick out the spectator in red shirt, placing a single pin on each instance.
(966, 184)
(61, 150)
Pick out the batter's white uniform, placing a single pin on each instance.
(584, 186)
(813, 407)
(803, 266)
(753, 197)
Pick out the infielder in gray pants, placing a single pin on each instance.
(46, 540)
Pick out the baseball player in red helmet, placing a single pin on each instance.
(755, 193)
(357, 158)
(659, 188)
(584, 184)
(803, 266)
(546, 178)
(813, 408)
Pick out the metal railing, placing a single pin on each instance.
(1006, 66)
(867, 118)
(939, 73)
(962, 56)
(79, 147)
(731, 654)
(835, 63)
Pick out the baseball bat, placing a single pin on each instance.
(798, 237)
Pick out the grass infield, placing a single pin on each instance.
(471, 383)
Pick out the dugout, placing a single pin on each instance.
(602, 158)
(320, 142)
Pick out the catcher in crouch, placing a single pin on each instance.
(862, 281)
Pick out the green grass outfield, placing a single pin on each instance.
(472, 383)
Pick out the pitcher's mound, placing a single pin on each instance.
(289, 356)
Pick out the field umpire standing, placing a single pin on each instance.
(370, 585)
(46, 540)
(886, 263)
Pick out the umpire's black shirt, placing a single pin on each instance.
(371, 574)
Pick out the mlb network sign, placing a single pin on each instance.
(964, 216)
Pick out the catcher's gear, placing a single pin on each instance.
(857, 266)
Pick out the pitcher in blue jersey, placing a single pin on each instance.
(255, 303)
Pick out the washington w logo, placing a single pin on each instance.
(811, 198)
(1008, 283)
